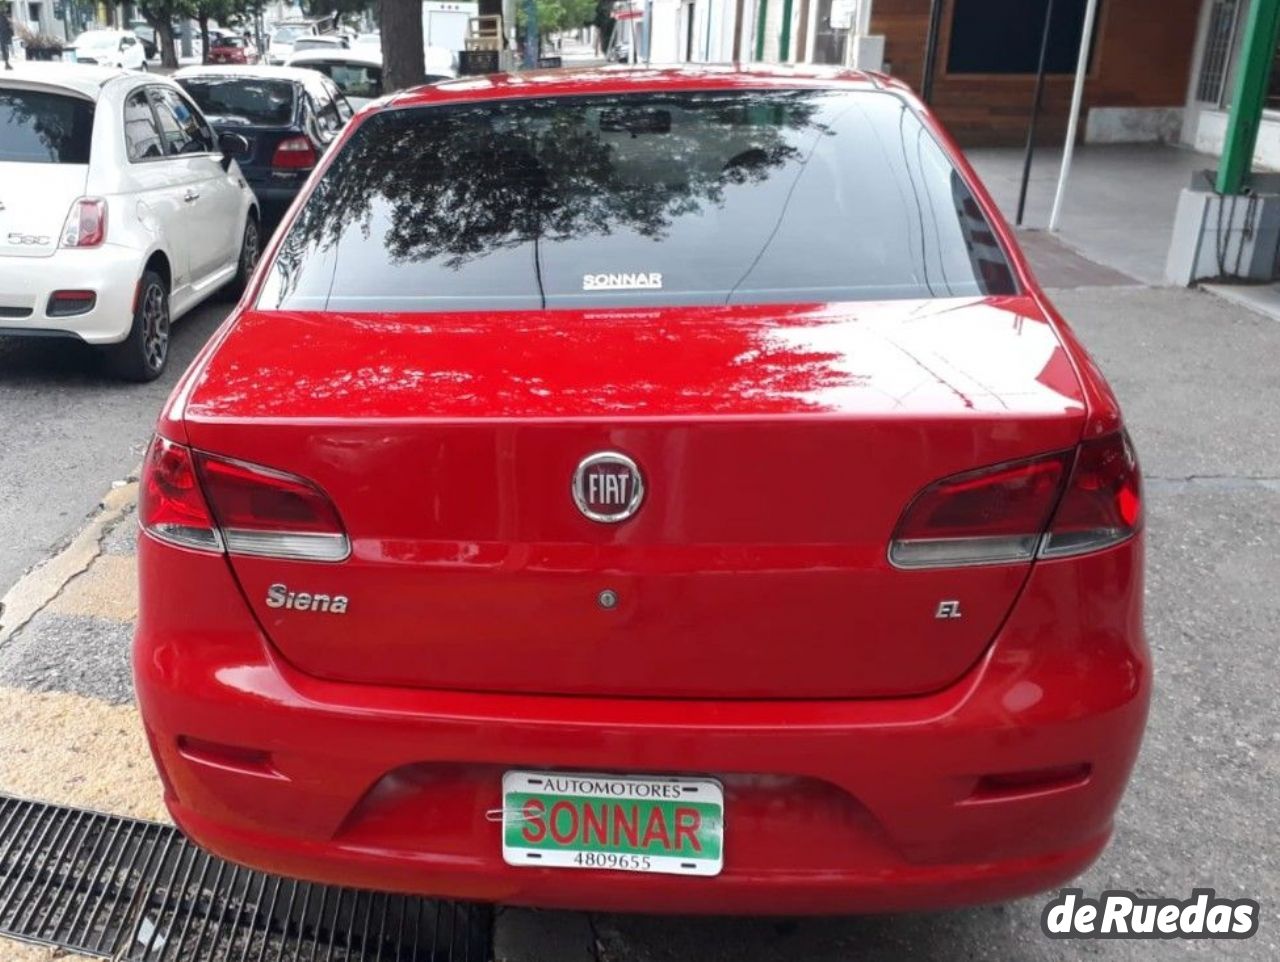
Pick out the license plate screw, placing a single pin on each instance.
(608, 599)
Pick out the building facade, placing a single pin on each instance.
(978, 57)
(1216, 55)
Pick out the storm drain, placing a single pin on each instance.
(125, 889)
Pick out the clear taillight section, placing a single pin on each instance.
(1103, 503)
(86, 224)
(1016, 511)
(203, 501)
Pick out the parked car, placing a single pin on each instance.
(107, 48)
(102, 175)
(232, 49)
(329, 41)
(357, 73)
(619, 51)
(280, 43)
(663, 472)
(288, 116)
(146, 35)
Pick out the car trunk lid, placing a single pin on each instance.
(48, 130)
(778, 444)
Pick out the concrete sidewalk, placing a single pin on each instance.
(1119, 204)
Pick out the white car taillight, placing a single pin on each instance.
(86, 224)
(202, 501)
(1016, 511)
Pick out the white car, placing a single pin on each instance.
(357, 73)
(119, 210)
(325, 41)
(108, 48)
(280, 43)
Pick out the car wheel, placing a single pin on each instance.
(250, 251)
(142, 355)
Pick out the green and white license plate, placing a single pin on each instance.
(673, 826)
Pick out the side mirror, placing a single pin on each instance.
(233, 147)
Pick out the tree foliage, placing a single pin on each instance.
(555, 16)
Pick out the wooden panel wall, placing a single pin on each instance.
(1142, 59)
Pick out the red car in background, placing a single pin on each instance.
(657, 490)
(231, 49)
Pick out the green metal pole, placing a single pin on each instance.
(764, 9)
(784, 45)
(1252, 76)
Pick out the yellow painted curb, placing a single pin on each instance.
(41, 585)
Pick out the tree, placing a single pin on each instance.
(403, 52)
(225, 12)
(602, 18)
(556, 16)
(161, 14)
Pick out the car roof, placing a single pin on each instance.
(87, 80)
(626, 78)
(247, 72)
(360, 57)
(104, 32)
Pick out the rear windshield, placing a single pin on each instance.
(229, 42)
(638, 200)
(353, 79)
(44, 128)
(243, 100)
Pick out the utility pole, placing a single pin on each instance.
(1035, 112)
(530, 34)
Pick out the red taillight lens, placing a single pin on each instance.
(86, 224)
(295, 153)
(986, 516)
(1103, 502)
(170, 504)
(265, 512)
(70, 303)
(201, 501)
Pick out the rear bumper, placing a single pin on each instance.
(110, 271)
(831, 807)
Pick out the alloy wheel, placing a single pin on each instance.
(155, 327)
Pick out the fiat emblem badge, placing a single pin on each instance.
(608, 487)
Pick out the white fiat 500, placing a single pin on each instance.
(120, 210)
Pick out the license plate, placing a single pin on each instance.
(672, 826)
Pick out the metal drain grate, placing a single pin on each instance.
(136, 891)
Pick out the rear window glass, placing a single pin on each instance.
(229, 42)
(242, 100)
(44, 128)
(353, 79)
(638, 200)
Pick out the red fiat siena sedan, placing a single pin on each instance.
(655, 490)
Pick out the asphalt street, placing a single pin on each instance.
(1200, 385)
(68, 430)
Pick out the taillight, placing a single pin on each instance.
(86, 224)
(1052, 506)
(266, 512)
(1103, 502)
(294, 153)
(170, 504)
(987, 516)
(203, 501)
